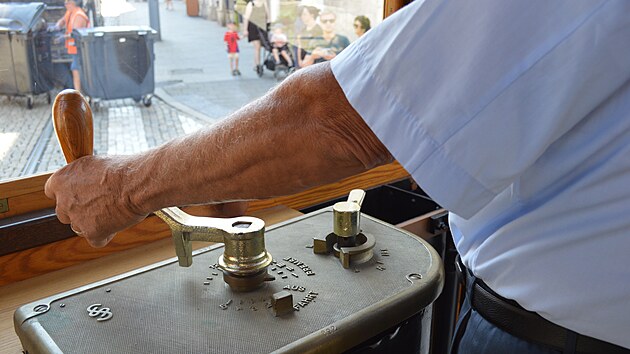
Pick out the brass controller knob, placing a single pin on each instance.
(347, 242)
(244, 261)
(347, 218)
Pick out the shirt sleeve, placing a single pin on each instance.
(468, 95)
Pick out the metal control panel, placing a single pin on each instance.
(314, 303)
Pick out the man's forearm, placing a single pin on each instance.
(301, 134)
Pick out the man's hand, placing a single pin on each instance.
(317, 53)
(89, 196)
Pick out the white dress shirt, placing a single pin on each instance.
(515, 116)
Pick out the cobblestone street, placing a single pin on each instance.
(120, 127)
(19, 132)
(192, 91)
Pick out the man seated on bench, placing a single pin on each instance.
(329, 45)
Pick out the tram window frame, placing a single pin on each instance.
(30, 223)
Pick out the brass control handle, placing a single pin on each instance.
(243, 236)
(348, 242)
(347, 216)
(356, 196)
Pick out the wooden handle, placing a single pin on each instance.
(392, 6)
(72, 119)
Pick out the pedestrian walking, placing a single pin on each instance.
(255, 26)
(231, 38)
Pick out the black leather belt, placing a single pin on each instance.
(512, 318)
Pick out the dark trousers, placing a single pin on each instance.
(492, 331)
(475, 335)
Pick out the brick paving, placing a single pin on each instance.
(191, 68)
(18, 132)
(121, 127)
(52, 158)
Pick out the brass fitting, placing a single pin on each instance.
(244, 261)
(347, 242)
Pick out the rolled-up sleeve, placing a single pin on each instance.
(468, 95)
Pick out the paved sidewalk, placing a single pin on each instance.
(192, 66)
(121, 127)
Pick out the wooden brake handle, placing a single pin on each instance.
(72, 120)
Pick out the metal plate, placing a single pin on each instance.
(169, 309)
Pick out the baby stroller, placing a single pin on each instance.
(281, 70)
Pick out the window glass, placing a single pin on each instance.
(148, 87)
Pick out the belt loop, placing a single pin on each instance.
(463, 275)
(461, 271)
(570, 343)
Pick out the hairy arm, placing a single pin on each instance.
(301, 134)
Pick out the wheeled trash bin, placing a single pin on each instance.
(117, 62)
(24, 52)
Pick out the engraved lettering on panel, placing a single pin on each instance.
(311, 296)
(329, 330)
(305, 268)
(225, 306)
